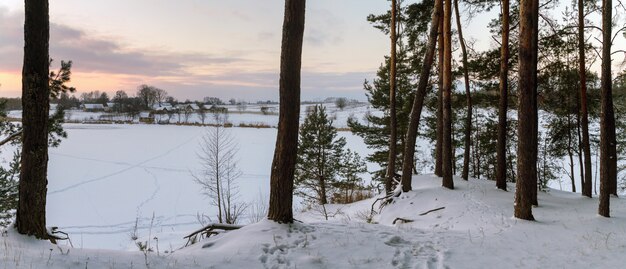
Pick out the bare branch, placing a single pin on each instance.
(615, 52)
(617, 33)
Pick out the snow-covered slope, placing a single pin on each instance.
(474, 230)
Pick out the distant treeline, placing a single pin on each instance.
(12, 103)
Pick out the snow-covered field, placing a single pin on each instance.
(106, 177)
(103, 177)
(474, 230)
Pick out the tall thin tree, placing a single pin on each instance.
(584, 115)
(439, 143)
(504, 101)
(608, 154)
(534, 111)
(418, 101)
(447, 97)
(527, 70)
(468, 96)
(393, 121)
(31, 209)
(285, 153)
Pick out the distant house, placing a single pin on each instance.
(218, 109)
(92, 107)
(163, 107)
(109, 106)
(195, 107)
(188, 107)
(266, 110)
(146, 117)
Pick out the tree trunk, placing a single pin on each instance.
(31, 209)
(468, 96)
(418, 102)
(393, 121)
(526, 164)
(580, 147)
(439, 143)
(584, 115)
(608, 156)
(570, 152)
(447, 97)
(535, 108)
(284, 162)
(504, 101)
(323, 199)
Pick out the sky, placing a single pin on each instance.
(198, 48)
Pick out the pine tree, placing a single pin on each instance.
(285, 153)
(352, 166)
(376, 133)
(9, 190)
(608, 154)
(584, 114)
(31, 209)
(503, 103)
(446, 99)
(418, 102)
(393, 119)
(468, 97)
(319, 157)
(412, 44)
(526, 112)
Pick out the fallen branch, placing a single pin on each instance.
(432, 210)
(11, 137)
(403, 220)
(211, 229)
(52, 233)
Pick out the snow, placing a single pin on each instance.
(475, 230)
(250, 115)
(106, 177)
(103, 177)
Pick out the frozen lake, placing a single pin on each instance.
(104, 177)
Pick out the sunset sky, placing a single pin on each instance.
(197, 48)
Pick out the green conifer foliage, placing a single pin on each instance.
(376, 133)
(324, 167)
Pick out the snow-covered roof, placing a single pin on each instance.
(157, 105)
(194, 106)
(144, 115)
(93, 106)
(110, 104)
(163, 108)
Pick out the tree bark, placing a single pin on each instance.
(283, 164)
(323, 198)
(504, 101)
(608, 156)
(418, 101)
(535, 107)
(31, 209)
(447, 182)
(584, 114)
(439, 143)
(468, 96)
(393, 121)
(526, 164)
